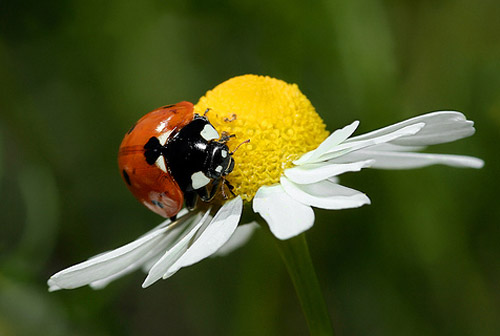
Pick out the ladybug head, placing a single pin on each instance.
(220, 161)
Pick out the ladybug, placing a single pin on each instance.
(171, 156)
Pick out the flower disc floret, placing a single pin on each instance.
(275, 116)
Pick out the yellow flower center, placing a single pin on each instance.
(278, 119)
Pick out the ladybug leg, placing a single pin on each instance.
(204, 116)
(223, 192)
(190, 198)
(173, 218)
(205, 195)
(229, 186)
(225, 137)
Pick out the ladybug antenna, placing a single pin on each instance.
(229, 186)
(206, 111)
(244, 142)
(225, 137)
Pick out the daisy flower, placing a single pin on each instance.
(290, 166)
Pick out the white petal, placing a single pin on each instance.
(440, 127)
(402, 160)
(102, 283)
(315, 172)
(153, 254)
(175, 252)
(106, 264)
(396, 148)
(334, 179)
(216, 234)
(348, 147)
(333, 140)
(351, 146)
(157, 253)
(180, 217)
(53, 287)
(285, 216)
(239, 238)
(325, 195)
(146, 267)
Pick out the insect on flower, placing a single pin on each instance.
(171, 155)
(291, 165)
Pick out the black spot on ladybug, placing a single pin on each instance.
(169, 106)
(126, 177)
(131, 129)
(158, 204)
(152, 150)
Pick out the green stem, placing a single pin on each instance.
(295, 254)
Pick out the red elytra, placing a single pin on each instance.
(152, 186)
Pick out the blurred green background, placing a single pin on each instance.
(423, 259)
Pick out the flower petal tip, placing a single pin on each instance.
(366, 200)
(475, 163)
(52, 285)
(147, 282)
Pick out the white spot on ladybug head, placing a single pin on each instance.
(218, 169)
(199, 180)
(162, 138)
(160, 163)
(223, 153)
(209, 133)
